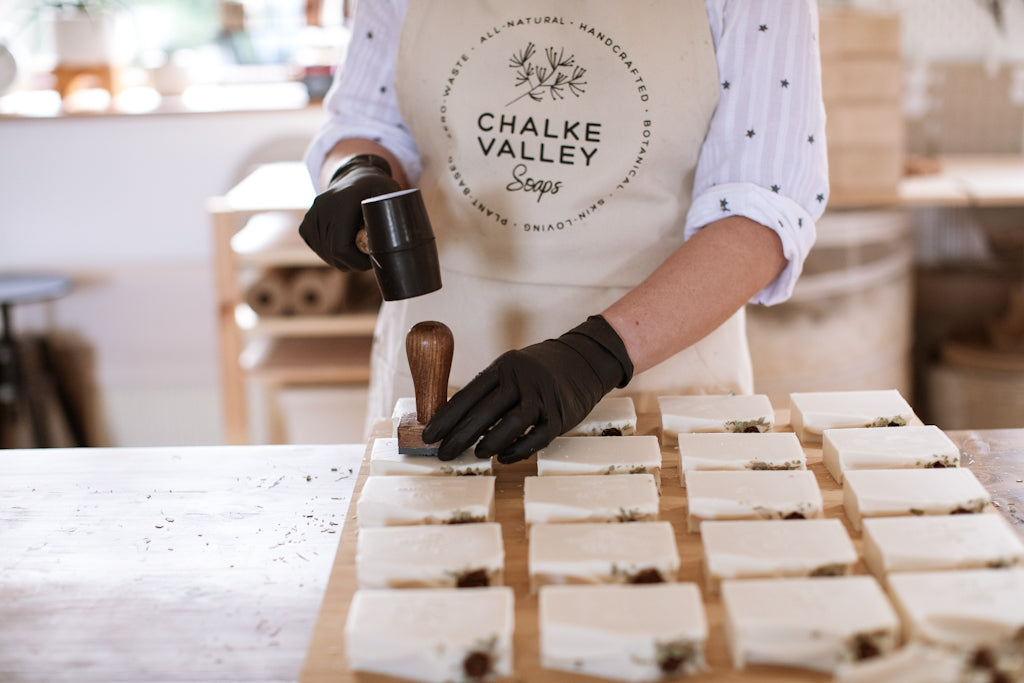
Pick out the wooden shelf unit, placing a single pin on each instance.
(255, 227)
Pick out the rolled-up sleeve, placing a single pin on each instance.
(361, 102)
(765, 157)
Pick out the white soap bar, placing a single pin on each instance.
(739, 451)
(610, 455)
(644, 552)
(811, 413)
(915, 544)
(891, 493)
(913, 663)
(810, 623)
(433, 556)
(747, 549)
(435, 635)
(612, 416)
(748, 494)
(714, 413)
(628, 633)
(401, 500)
(386, 460)
(960, 608)
(615, 498)
(868, 448)
(405, 405)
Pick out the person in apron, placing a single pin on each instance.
(609, 184)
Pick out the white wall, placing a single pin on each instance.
(118, 202)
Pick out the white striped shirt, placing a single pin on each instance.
(764, 156)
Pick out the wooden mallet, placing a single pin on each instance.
(429, 346)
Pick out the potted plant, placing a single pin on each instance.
(87, 32)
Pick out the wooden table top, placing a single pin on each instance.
(229, 563)
(996, 456)
(167, 564)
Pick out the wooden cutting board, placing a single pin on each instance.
(325, 661)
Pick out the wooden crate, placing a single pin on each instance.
(862, 79)
(858, 125)
(848, 32)
(862, 83)
(866, 177)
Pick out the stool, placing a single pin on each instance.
(24, 388)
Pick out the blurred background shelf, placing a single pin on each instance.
(271, 334)
(342, 325)
(308, 360)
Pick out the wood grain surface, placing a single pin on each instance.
(220, 563)
(166, 564)
(996, 456)
(326, 659)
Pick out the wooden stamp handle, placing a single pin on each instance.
(429, 346)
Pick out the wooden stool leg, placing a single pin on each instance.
(16, 401)
(28, 380)
(58, 381)
(9, 412)
(33, 394)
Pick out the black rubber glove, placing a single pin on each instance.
(526, 398)
(330, 225)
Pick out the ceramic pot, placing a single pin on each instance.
(87, 38)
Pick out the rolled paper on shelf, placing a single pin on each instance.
(270, 293)
(318, 291)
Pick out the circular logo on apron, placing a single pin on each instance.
(549, 116)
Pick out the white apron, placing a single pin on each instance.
(559, 142)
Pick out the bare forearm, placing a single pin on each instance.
(696, 289)
(351, 146)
